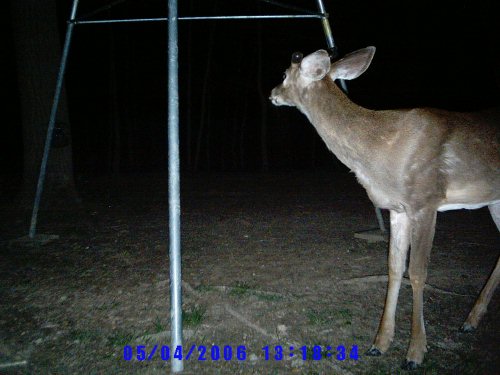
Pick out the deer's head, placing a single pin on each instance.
(304, 72)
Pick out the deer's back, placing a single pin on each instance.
(428, 156)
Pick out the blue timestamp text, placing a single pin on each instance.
(239, 352)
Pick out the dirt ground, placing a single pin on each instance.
(267, 260)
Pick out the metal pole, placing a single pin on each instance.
(330, 42)
(52, 120)
(174, 187)
(199, 18)
(327, 30)
(380, 219)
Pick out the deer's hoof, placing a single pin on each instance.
(467, 328)
(374, 352)
(409, 365)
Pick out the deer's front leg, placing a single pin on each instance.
(398, 248)
(423, 223)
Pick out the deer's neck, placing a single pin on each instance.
(347, 129)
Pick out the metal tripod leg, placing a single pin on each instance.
(174, 205)
(52, 120)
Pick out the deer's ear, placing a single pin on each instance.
(353, 64)
(316, 65)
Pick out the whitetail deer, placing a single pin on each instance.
(413, 162)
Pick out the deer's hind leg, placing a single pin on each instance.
(481, 305)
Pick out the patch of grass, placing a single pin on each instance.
(204, 288)
(240, 289)
(193, 317)
(343, 314)
(316, 317)
(329, 316)
(158, 325)
(120, 338)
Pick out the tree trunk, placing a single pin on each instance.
(38, 51)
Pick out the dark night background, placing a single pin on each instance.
(429, 53)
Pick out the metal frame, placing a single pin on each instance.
(173, 131)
